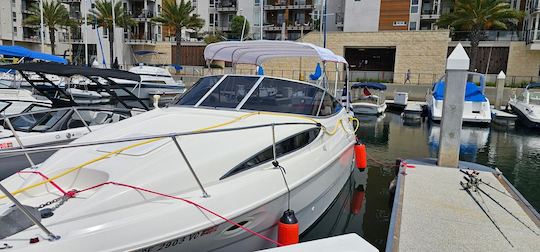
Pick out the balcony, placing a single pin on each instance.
(532, 42)
(73, 37)
(275, 27)
(141, 14)
(227, 6)
(489, 35)
(140, 39)
(429, 14)
(70, 1)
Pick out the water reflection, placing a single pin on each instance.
(514, 151)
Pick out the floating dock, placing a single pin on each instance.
(414, 109)
(391, 105)
(347, 242)
(503, 118)
(433, 212)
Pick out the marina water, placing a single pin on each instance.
(515, 151)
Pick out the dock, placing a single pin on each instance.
(340, 243)
(503, 118)
(413, 109)
(433, 212)
(391, 105)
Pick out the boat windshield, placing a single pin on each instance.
(4, 105)
(534, 98)
(265, 94)
(37, 122)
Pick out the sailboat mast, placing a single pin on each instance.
(85, 9)
(112, 30)
(42, 32)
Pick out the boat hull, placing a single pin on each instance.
(523, 118)
(473, 112)
(368, 108)
(320, 191)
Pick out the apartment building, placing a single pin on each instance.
(531, 24)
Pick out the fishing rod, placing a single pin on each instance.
(473, 181)
(475, 173)
(466, 187)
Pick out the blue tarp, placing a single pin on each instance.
(371, 85)
(472, 92)
(20, 52)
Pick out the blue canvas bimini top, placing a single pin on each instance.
(18, 51)
(472, 92)
(372, 85)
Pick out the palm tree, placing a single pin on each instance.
(475, 16)
(103, 16)
(54, 15)
(179, 16)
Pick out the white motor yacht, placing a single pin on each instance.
(215, 172)
(476, 107)
(369, 104)
(15, 101)
(154, 81)
(527, 105)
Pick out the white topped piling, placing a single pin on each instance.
(501, 77)
(457, 65)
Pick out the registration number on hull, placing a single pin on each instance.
(179, 241)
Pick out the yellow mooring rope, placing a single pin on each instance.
(78, 167)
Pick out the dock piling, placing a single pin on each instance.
(501, 79)
(457, 65)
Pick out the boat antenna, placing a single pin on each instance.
(281, 168)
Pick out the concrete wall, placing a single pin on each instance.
(423, 52)
(522, 61)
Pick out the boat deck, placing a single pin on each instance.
(432, 212)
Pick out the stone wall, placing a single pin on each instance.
(423, 52)
(522, 61)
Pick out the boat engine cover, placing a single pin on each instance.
(13, 220)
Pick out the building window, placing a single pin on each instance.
(414, 2)
(412, 26)
(211, 3)
(400, 23)
(14, 15)
(14, 31)
(414, 9)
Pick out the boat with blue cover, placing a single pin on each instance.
(476, 107)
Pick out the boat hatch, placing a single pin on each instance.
(135, 151)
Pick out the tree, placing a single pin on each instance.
(236, 27)
(214, 38)
(55, 15)
(103, 16)
(179, 16)
(475, 16)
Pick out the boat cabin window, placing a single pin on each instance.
(230, 92)
(283, 147)
(199, 89)
(284, 96)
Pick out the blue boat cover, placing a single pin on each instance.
(18, 51)
(260, 70)
(372, 85)
(472, 92)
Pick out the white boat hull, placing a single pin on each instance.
(473, 112)
(368, 108)
(527, 114)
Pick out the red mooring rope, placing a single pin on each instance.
(46, 178)
(187, 201)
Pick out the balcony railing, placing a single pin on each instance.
(141, 14)
(227, 6)
(489, 36)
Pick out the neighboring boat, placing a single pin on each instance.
(51, 127)
(97, 85)
(15, 101)
(369, 103)
(154, 81)
(476, 107)
(527, 105)
(203, 175)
